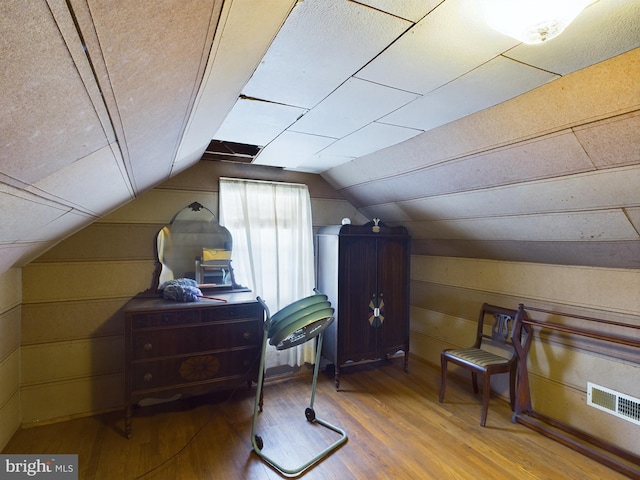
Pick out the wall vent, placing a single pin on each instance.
(615, 403)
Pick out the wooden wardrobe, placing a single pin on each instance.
(364, 270)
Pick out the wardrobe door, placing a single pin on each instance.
(393, 278)
(357, 338)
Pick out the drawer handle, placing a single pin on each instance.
(148, 347)
(246, 335)
(148, 377)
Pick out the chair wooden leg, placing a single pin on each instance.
(512, 389)
(486, 393)
(443, 375)
(474, 381)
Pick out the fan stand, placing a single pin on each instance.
(295, 331)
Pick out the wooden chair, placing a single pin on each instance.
(484, 362)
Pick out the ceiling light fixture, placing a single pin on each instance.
(533, 21)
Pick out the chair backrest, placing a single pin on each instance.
(495, 327)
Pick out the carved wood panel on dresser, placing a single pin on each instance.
(190, 348)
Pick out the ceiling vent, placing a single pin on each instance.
(219, 150)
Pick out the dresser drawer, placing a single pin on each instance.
(190, 315)
(232, 312)
(165, 319)
(239, 365)
(183, 340)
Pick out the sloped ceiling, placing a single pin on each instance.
(102, 99)
(416, 111)
(344, 79)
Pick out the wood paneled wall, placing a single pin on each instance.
(72, 322)
(10, 298)
(446, 294)
(69, 310)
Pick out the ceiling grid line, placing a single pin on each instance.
(122, 151)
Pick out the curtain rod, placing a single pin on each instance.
(245, 180)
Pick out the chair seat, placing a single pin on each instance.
(478, 357)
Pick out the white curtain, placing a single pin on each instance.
(272, 248)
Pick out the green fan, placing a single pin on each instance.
(296, 324)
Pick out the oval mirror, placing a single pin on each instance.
(195, 246)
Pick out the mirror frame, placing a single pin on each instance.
(158, 267)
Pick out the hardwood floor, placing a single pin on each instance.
(397, 430)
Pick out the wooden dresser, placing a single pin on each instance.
(190, 348)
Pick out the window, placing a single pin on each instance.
(272, 247)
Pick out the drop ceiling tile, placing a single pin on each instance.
(257, 122)
(603, 30)
(292, 149)
(494, 82)
(412, 10)
(322, 43)
(371, 138)
(103, 185)
(441, 47)
(353, 105)
(321, 163)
